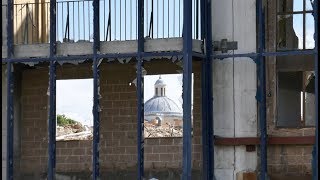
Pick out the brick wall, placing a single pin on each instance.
(290, 159)
(117, 128)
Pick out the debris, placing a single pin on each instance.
(74, 132)
(152, 129)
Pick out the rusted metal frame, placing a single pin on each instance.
(186, 93)
(207, 90)
(315, 154)
(261, 91)
(52, 98)
(96, 95)
(140, 94)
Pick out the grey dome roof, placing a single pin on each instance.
(162, 105)
(159, 82)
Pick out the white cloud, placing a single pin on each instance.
(75, 99)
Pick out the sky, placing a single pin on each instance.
(167, 19)
(75, 97)
(298, 22)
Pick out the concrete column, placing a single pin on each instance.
(234, 86)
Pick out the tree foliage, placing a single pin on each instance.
(62, 120)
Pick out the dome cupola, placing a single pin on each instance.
(160, 87)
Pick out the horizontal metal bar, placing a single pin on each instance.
(237, 141)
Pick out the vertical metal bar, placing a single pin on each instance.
(78, 21)
(96, 122)
(207, 96)
(73, 29)
(104, 20)
(140, 103)
(202, 20)
(62, 20)
(16, 26)
(10, 37)
(174, 17)
(27, 22)
(96, 84)
(52, 121)
(158, 19)
(196, 13)
(187, 71)
(88, 19)
(147, 14)
(304, 25)
(52, 99)
(57, 20)
(125, 18)
(162, 18)
(120, 19)
(9, 91)
(110, 19)
(10, 120)
(316, 46)
(84, 21)
(262, 92)
(52, 28)
(131, 15)
(115, 19)
(168, 19)
(179, 16)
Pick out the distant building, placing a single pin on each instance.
(160, 107)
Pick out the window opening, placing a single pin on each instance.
(296, 99)
(163, 110)
(295, 25)
(74, 109)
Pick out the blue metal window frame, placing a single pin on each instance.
(187, 53)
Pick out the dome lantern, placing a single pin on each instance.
(160, 87)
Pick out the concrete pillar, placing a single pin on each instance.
(234, 86)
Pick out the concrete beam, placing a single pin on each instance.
(112, 47)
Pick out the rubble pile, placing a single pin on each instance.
(165, 130)
(74, 132)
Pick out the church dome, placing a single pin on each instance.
(160, 104)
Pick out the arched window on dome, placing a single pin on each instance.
(161, 91)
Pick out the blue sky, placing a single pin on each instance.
(167, 19)
(298, 22)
